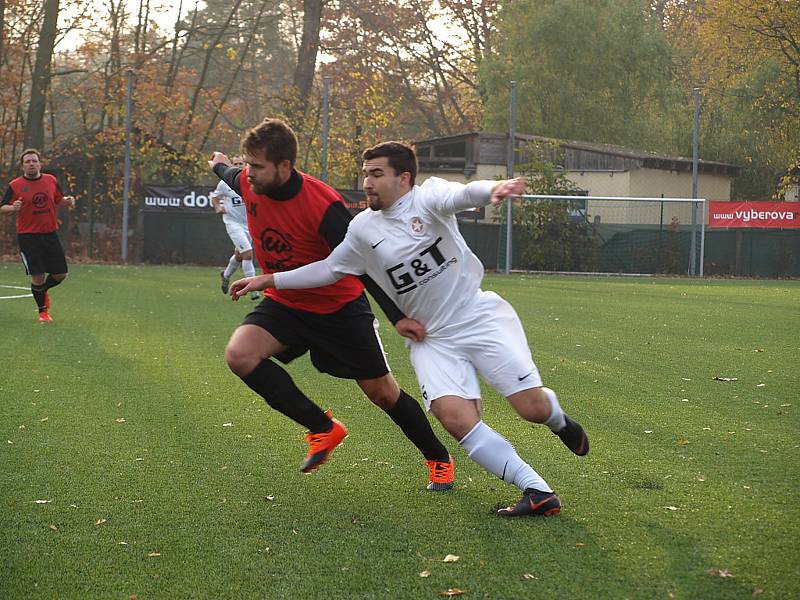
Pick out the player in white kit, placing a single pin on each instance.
(231, 206)
(409, 243)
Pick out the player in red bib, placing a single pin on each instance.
(295, 220)
(33, 199)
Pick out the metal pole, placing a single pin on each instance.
(127, 176)
(511, 159)
(695, 161)
(325, 129)
(703, 238)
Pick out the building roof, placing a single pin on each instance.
(464, 151)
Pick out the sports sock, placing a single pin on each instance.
(51, 282)
(555, 421)
(38, 292)
(408, 415)
(233, 264)
(275, 385)
(496, 454)
(248, 268)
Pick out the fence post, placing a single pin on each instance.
(127, 175)
(510, 160)
(695, 161)
(325, 129)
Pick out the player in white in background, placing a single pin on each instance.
(230, 205)
(409, 243)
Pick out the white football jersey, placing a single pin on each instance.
(415, 252)
(233, 204)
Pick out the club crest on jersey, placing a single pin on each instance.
(417, 227)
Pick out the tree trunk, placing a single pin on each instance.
(34, 125)
(2, 30)
(306, 57)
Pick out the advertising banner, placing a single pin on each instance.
(760, 215)
(177, 198)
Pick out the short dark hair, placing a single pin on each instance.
(275, 138)
(402, 157)
(29, 151)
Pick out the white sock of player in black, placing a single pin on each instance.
(496, 454)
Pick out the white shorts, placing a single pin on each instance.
(239, 236)
(488, 340)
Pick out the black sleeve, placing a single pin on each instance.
(229, 175)
(333, 228)
(8, 196)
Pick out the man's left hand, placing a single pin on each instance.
(509, 187)
(411, 328)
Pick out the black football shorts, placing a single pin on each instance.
(344, 344)
(42, 253)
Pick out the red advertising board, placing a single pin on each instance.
(754, 214)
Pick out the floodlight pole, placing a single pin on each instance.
(512, 134)
(127, 174)
(325, 129)
(695, 165)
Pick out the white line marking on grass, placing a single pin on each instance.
(15, 287)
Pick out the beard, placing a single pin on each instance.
(263, 188)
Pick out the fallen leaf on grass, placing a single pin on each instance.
(671, 507)
(151, 554)
(580, 545)
(701, 478)
(726, 378)
(682, 442)
(528, 577)
(227, 424)
(53, 527)
(43, 420)
(719, 572)
(425, 573)
(450, 592)
(120, 420)
(42, 501)
(761, 385)
(451, 558)
(100, 522)
(269, 498)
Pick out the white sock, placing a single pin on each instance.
(248, 268)
(555, 421)
(496, 454)
(233, 264)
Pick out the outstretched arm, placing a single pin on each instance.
(221, 165)
(314, 275)
(475, 194)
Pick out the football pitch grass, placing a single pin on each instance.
(133, 464)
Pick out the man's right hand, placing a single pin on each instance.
(16, 205)
(259, 283)
(218, 158)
